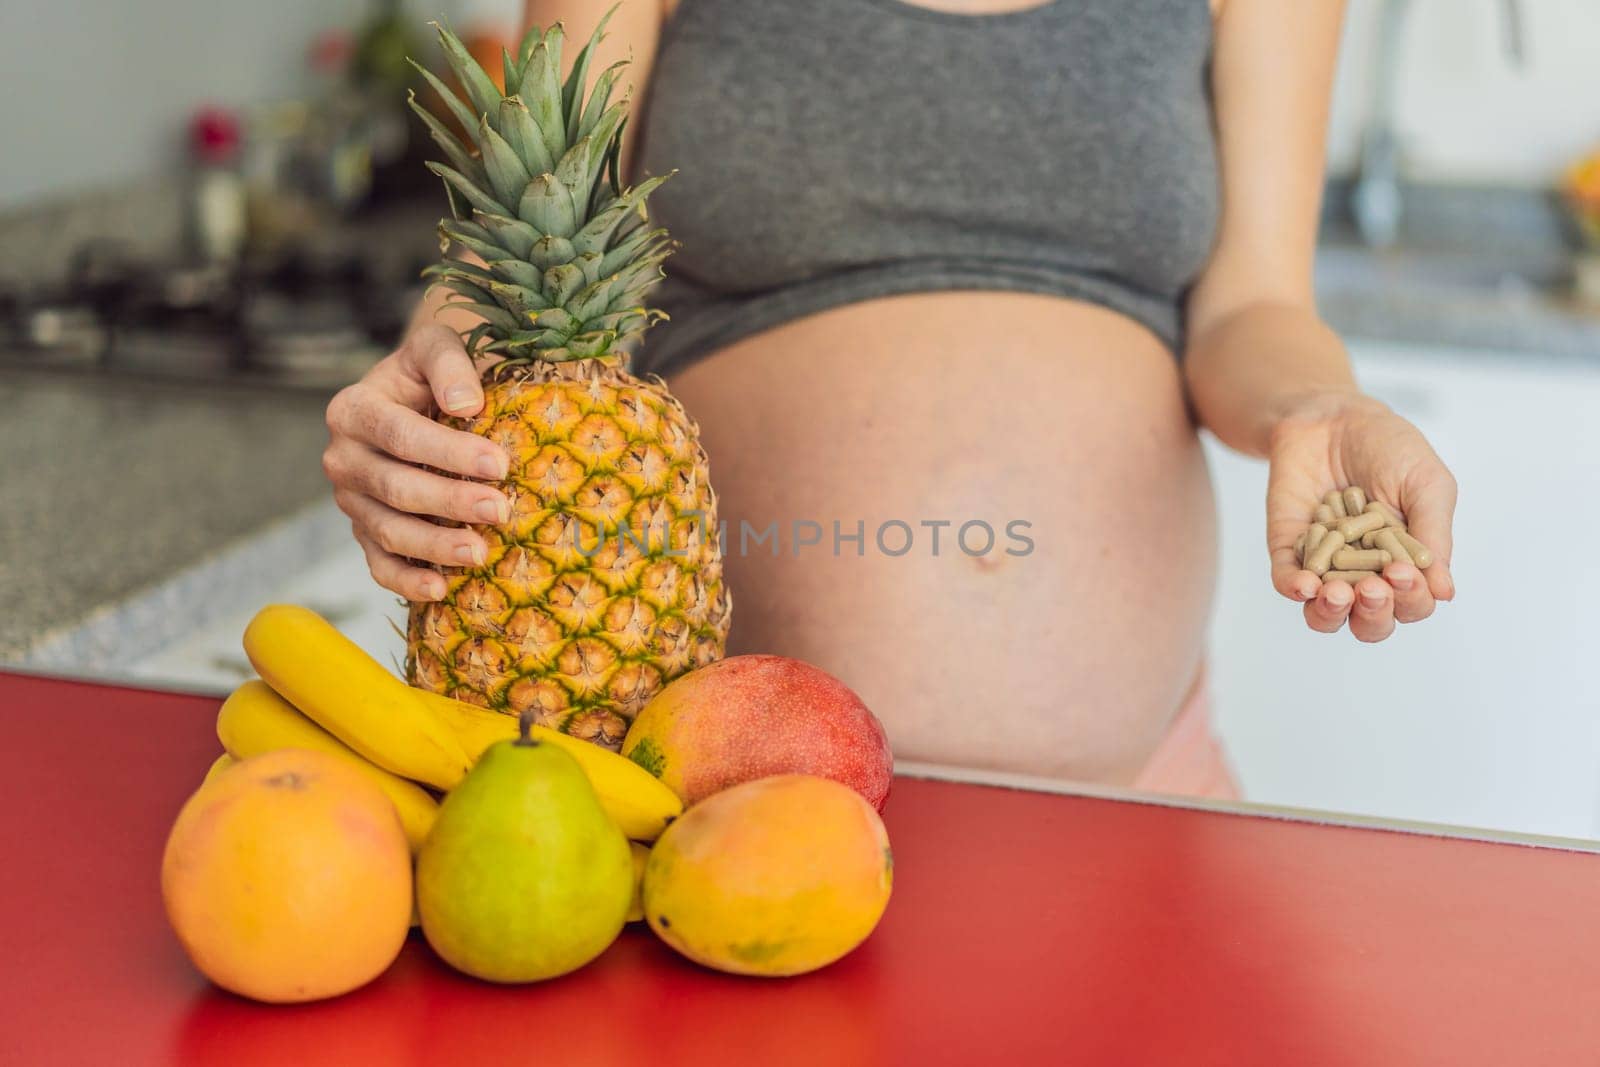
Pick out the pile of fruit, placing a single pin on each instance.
(595, 620)
(320, 837)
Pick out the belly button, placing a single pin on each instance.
(988, 563)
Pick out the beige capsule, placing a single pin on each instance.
(1300, 547)
(1387, 540)
(1324, 515)
(1348, 576)
(1390, 515)
(1355, 500)
(1361, 559)
(1335, 501)
(1356, 525)
(1369, 539)
(1314, 535)
(1420, 554)
(1319, 561)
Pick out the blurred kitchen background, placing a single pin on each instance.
(212, 214)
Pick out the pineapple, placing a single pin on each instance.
(606, 582)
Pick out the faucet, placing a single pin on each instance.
(1375, 200)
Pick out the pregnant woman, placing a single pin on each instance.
(956, 261)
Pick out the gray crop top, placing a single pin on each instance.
(833, 151)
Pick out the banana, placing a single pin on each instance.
(255, 720)
(327, 676)
(637, 801)
(475, 728)
(419, 735)
(222, 763)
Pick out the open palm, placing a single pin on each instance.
(1358, 441)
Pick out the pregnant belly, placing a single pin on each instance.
(987, 512)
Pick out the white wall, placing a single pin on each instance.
(96, 91)
(1465, 113)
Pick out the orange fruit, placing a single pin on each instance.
(289, 878)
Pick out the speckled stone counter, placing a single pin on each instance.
(111, 487)
(1516, 302)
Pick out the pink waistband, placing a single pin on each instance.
(1190, 760)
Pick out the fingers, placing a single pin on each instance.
(364, 413)
(1328, 610)
(1430, 508)
(394, 429)
(1368, 607)
(410, 537)
(397, 575)
(434, 354)
(1292, 495)
(1372, 614)
(355, 468)
(1373, 605)
(1289, 578)
(1413, 600)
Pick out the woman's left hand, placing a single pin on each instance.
(1340, 438)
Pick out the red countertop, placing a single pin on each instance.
(1025, 928)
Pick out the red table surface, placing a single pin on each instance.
(1025, 928)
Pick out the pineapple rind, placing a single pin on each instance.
(607, 581)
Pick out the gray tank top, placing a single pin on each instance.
(833, 151)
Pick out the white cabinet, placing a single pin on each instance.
(1485, 714)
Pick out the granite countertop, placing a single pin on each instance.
(111, 486)
(1511, 302)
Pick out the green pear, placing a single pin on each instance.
(523, 876)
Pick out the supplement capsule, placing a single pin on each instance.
(1390, 515)
(1361, 559)
(1348, 576)
(1420, 555)
(1300, 547)
(1335, 501)
(1368, 539)
(1319, 561)
(1388, 540)
(1325, 515)
(1359, 524)
(1355, 500)
(1314, 536)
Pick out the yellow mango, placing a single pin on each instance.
(777, 876)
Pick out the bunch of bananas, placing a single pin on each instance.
(318, 690)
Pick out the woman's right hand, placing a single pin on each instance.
(382, 435)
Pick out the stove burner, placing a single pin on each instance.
(310, 316)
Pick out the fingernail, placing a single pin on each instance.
(433, 588)
(471, 554)
(1371, 599)
(1336, 599)
(460, 398)
(1401, 582)
(491, 467)
(492, 510)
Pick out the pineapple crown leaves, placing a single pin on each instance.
(568, 254)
